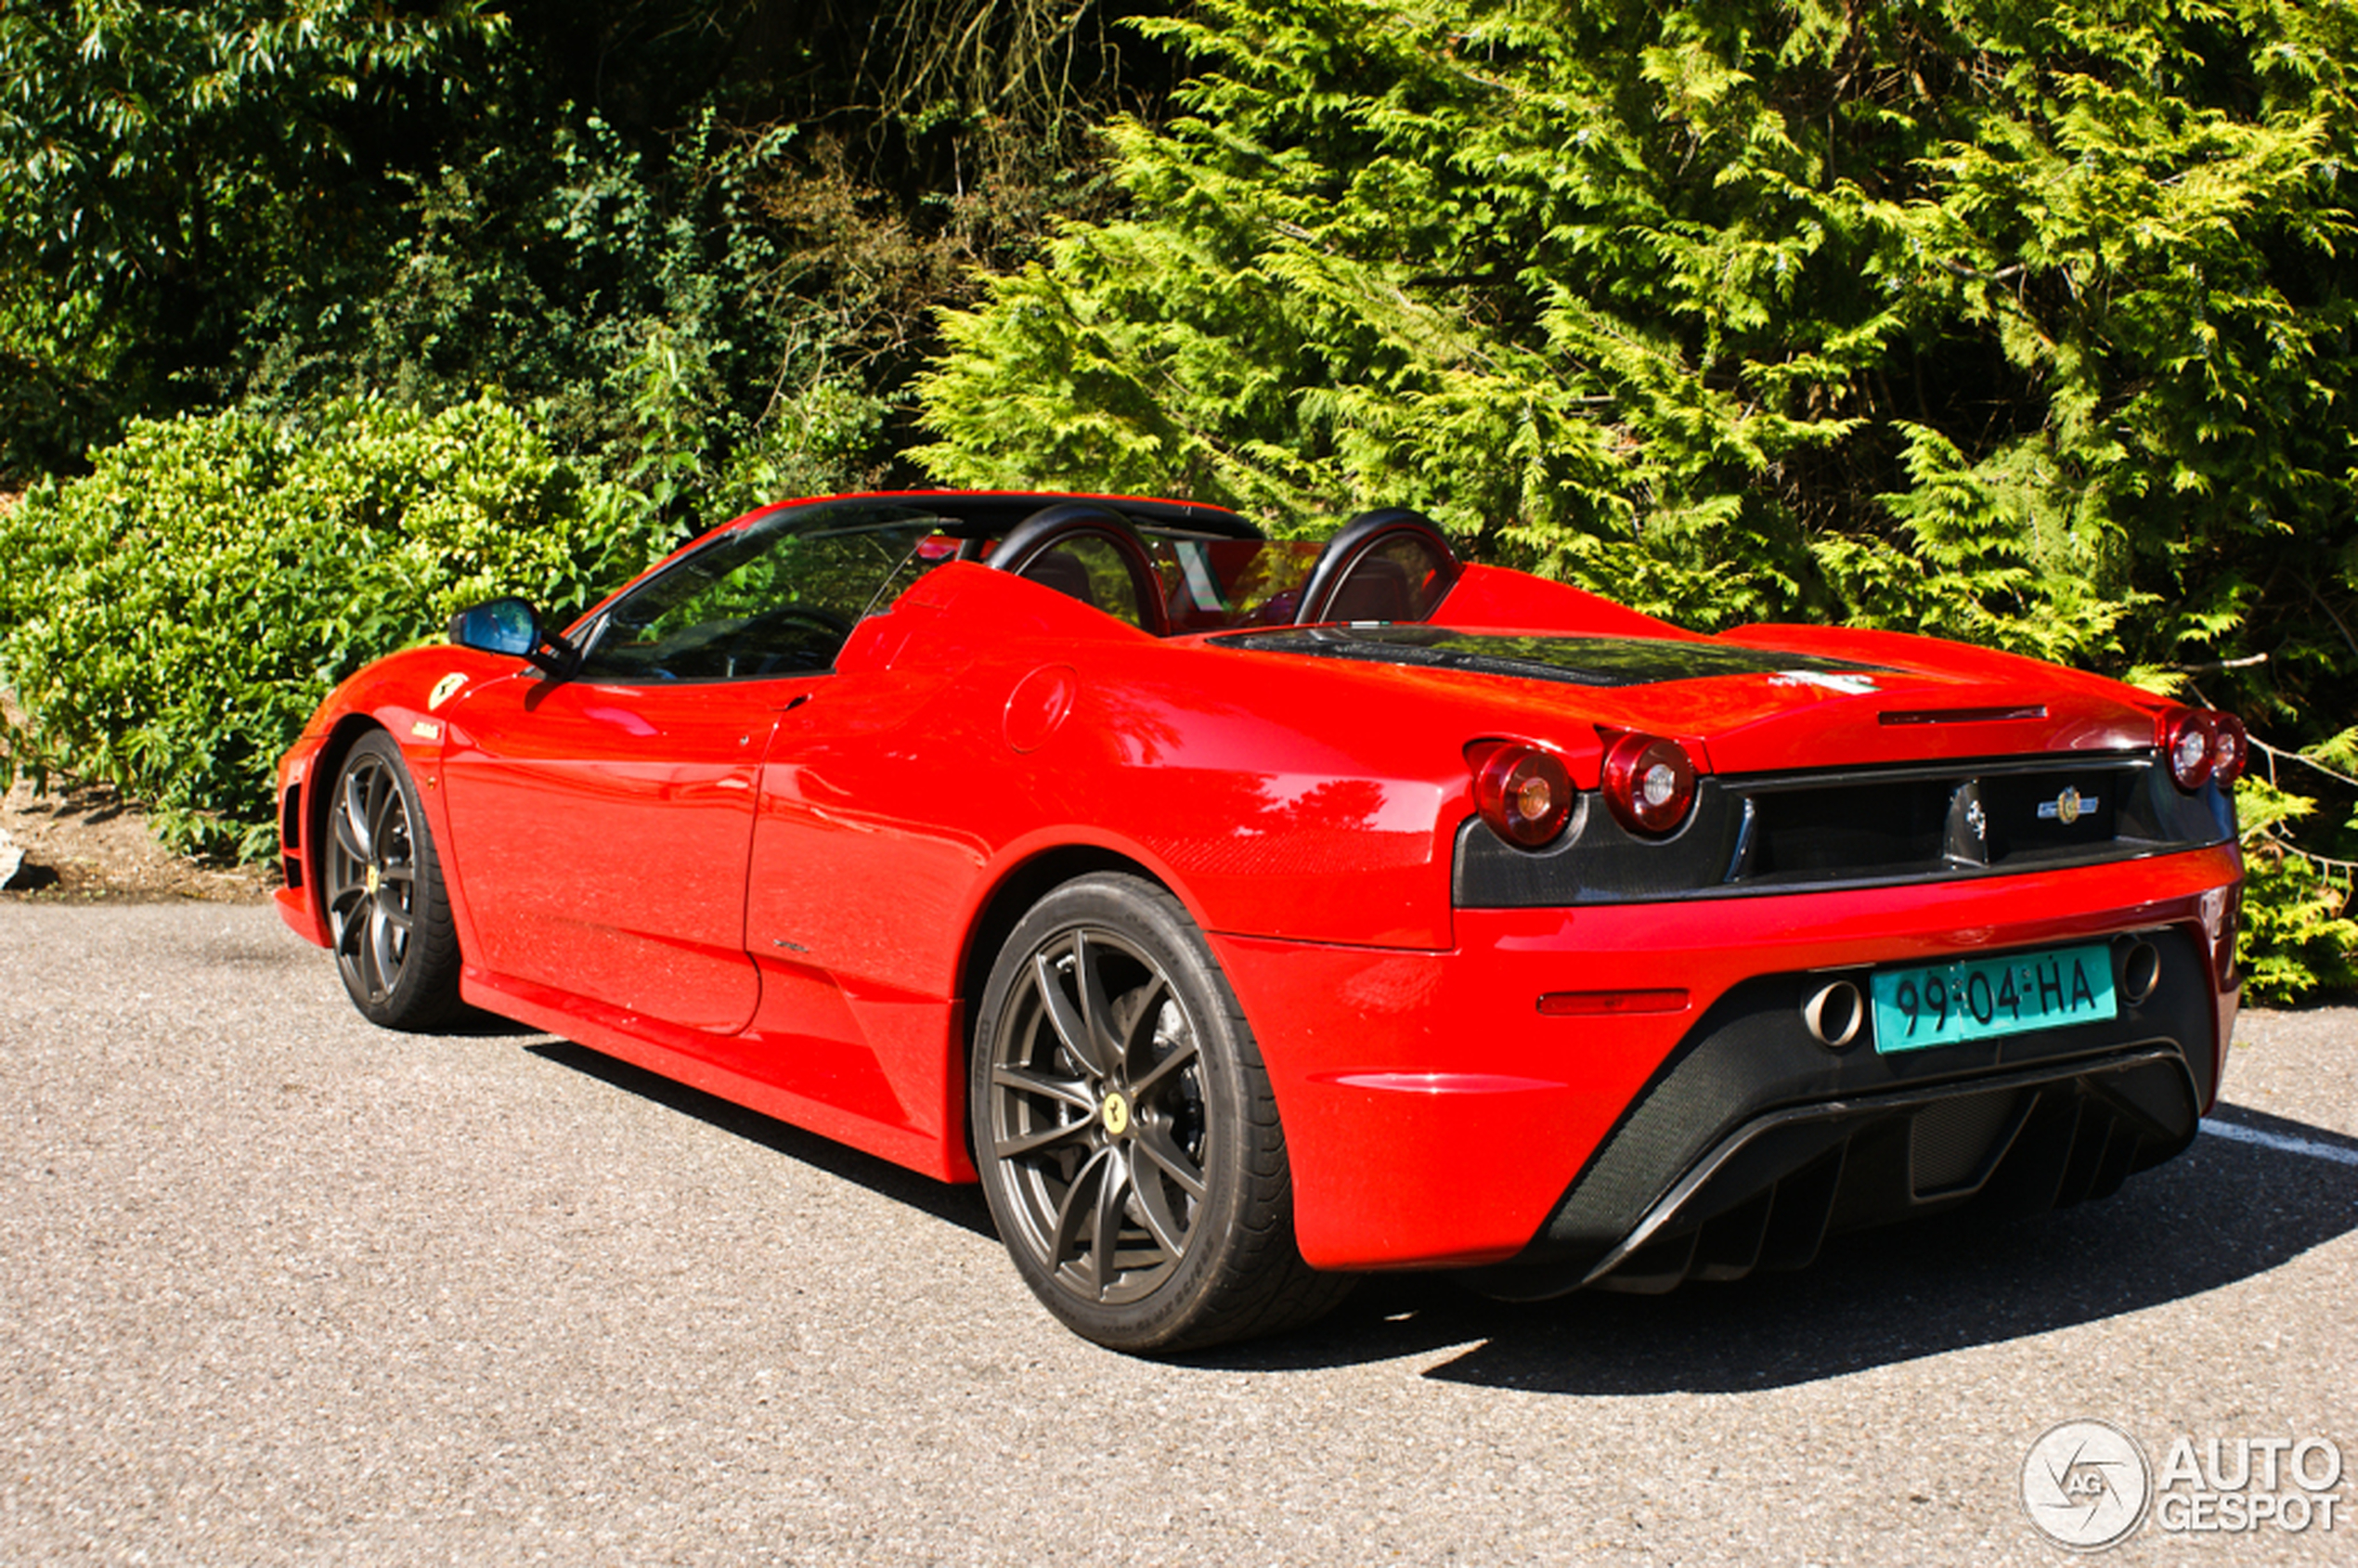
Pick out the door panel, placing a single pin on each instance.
(603, 833)
(860, 864)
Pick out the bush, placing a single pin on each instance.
(2298, 937)
(2024, 324)
(555, 272)
(158, 161)
(169, 622)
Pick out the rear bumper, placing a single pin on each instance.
(1435, 1117)
(1768, 1166)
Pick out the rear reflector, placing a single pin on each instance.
(1567, 1003)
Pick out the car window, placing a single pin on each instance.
(776, 597)
(1401, 579)
(1217, 585)
(1093, 569)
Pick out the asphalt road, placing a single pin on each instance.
(280, 1288)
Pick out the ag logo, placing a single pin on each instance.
(2086, 1486)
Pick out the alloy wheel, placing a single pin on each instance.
(1096, 1116)
(372, 878)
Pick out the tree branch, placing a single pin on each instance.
(2275, 752)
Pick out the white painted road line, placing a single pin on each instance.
(2278, 1141)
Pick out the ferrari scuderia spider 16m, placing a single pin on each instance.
(1245, 913)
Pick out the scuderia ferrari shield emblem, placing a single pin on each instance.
(445, 689)
(2065, 808)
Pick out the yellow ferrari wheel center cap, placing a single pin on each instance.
(1115, 1111)
(375, 879)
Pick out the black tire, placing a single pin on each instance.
(1126, 1131)
(397, 945)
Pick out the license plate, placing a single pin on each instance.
(1982, 998)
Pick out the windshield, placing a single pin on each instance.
(778, 595)
(774, 596)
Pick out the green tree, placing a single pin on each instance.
(272, 201)
(153, 156)
(1754, 307)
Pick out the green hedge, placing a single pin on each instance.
(168, 622)
(2298, 935)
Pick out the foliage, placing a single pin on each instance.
(1761, 308)
(258, 201)
(170, 621)
(651, 312)
(2299, 936)
(152, 157)
(2018, 321)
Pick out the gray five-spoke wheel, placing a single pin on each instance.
(372, 878)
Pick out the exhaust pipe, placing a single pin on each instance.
(2140, 972)
(1834, 1014)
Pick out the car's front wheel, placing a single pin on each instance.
(397, 945)
(1126, 1131)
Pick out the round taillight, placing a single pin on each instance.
(2189, 742)
(1524, 793)
(2229, 749)
(1650, 784)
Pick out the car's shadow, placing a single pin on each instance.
(2225, 1210)
(473, 1023)
(959, 1206)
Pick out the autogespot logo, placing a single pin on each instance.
(2086, 1486)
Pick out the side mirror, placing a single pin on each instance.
(511, 626)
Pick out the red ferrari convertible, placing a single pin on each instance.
(1244, 913)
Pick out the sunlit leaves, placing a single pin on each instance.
(116, 115)
(169, 621)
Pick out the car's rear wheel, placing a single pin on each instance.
(390, 923)
(1126, 1131)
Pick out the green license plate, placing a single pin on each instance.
(1982, 998)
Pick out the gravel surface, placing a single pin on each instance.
(282, 1288)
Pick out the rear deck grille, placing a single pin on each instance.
(1813, 832)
